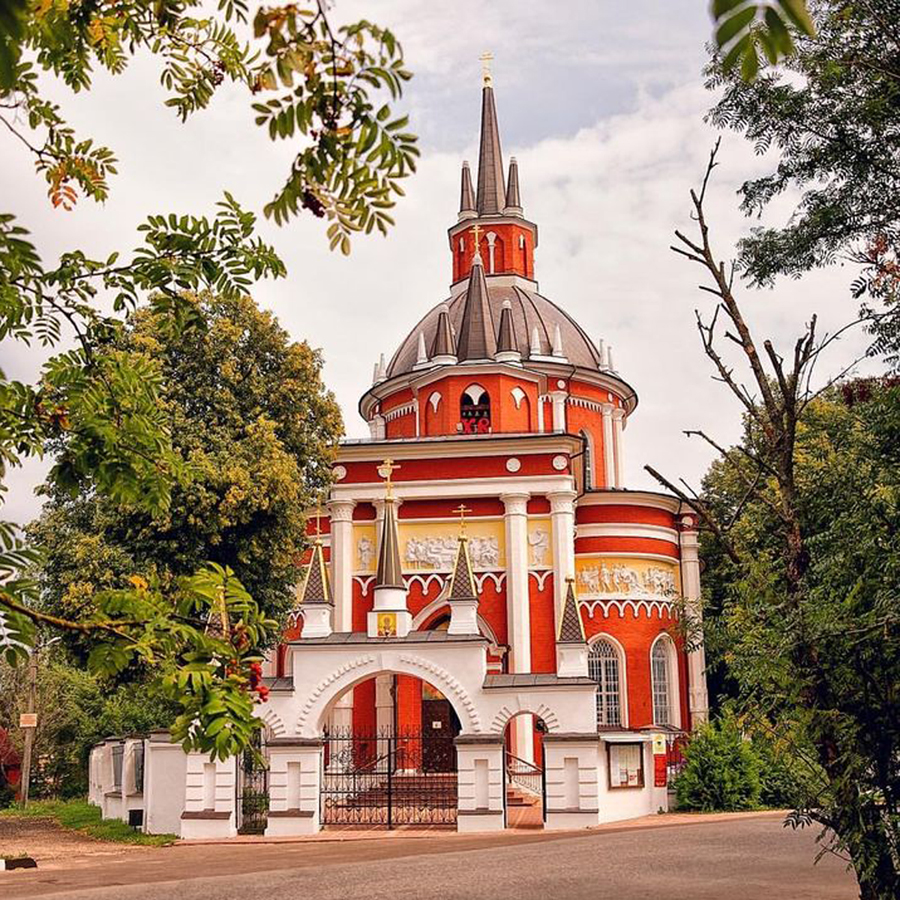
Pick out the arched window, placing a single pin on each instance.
(475, 410)
(663, 681)
(588, 462)
(603, 666)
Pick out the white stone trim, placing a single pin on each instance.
(674, 680)
(636, 606)
(364, 581)
(505, 713)
(398, 411)
(584, 403)
(540, 577)
(630, 498)
(624, 554)
(627, 529)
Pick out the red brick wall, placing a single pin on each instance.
(543, 631)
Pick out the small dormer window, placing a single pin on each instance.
(475, 410)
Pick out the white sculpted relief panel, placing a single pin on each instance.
(432, 552)
(618, 578)
(539, 543)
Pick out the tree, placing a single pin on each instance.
(808, 519)
(99, 402)
(832, 111)
(249, 414)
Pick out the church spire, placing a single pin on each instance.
(466, 194)
(507, 346)
(476, 331)
(491, 185)
(571, 628)
(513, 205)
(389, 574)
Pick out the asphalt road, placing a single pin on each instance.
(746, 859)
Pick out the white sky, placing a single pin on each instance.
(602, 104)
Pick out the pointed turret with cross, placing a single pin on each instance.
(462, 593)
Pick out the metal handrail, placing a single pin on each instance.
(524, 774)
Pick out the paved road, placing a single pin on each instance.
(746, 859)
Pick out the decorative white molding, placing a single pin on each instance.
(660, 607)
(435, 552)
(474, 392)
(513, 464)
(585, 403)
(323, 686)
(365, 582)
(504, 714)
(654, 582)
(497, 577)
(516, 503)
(560, 462)
(447, 685)
(425, 580)
(270, 718)
(540, 577)
(627, 529)
(398, 411)
(341, 510)
(339, 473)
(518, 395)
(435, 400)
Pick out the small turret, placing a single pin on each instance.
(571, 644)
(507, 347)
(461, 593)
(466, 195)
(476, 333)
(314, 603)
(513, 205)
(443, 347)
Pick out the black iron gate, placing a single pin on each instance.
(253, 790)
(389, 778)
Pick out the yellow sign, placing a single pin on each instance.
(659, 744)
(28, 720)
(387, 624)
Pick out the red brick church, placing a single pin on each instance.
(497, 401)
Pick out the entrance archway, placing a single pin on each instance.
(381, 773)
(525, 779)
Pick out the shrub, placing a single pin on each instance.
(721, 770)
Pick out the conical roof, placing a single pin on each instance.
(442, 345)
(506, 337)
(476, 331)
(571, 628)
(513, 200)
(389, 574)
(462, 581)
(466, 191)
(316, 588)
(491, 186)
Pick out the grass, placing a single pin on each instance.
(81, 816)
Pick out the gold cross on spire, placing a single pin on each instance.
(486, 58)
(386, 470)
(477, 231)
(462, 509)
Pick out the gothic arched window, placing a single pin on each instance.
(604, 668)
(662, 677)
(475, 410)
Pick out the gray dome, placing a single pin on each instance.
(529, 310)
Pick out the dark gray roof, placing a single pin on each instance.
(506, 337)
(279, 683)
(491, 186)
(443, 343)
(513, 200)
(462, 582)
(529, 310)
(571, 628)
(477, 337)
(508, 681)
(389, 573)
(316, 588)
(466, 192)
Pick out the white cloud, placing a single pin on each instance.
(605, 179)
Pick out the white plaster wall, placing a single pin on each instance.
(628, 803)
(165, 767)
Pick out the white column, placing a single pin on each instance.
(479, 763)
(609, 453)
(518, 609)
(540, 413)
(342, 562)
(558, 399)
(209, 797)
(562, 517)
(618, 419)
(698, 701)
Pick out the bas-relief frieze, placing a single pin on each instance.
(626, 578)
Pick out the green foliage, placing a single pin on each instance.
(819, 676)
(255, 429)
(744, 27)
(832, 111)
(81, 816)
(332, 88)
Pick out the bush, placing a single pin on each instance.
(722, 771)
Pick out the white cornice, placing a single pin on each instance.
(441, 488)
(630, 498)
(466, 445)
(626, 530)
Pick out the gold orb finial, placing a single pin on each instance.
(486, 78)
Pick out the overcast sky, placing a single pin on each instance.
(601, 101)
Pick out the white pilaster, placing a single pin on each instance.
(609, 453)
(571, 770)
(209, 797)
(618, 419)
(342, 562)
(518, 609)
(558, 398)
(562, 516)
(479, 783)
(295, 772)
(698, 699)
